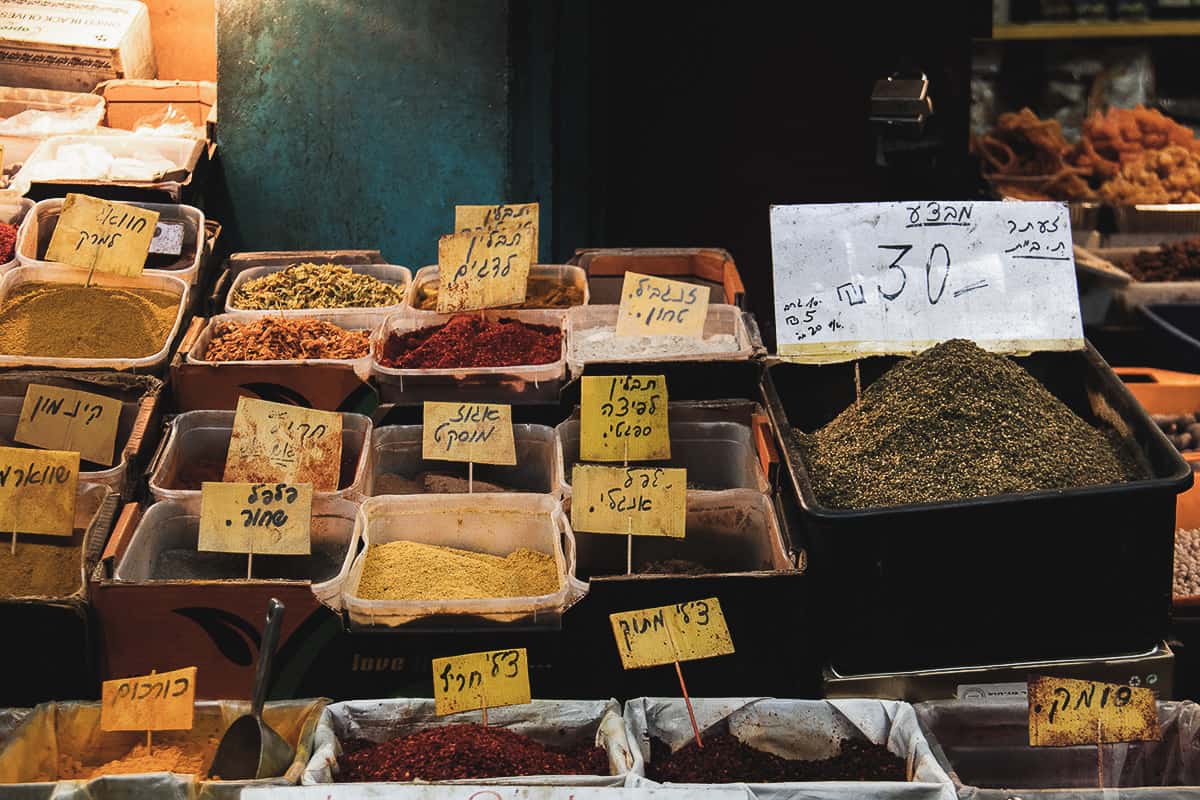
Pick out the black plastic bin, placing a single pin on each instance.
(1173, 331)
(1039, 575)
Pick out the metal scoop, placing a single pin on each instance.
(250, 748)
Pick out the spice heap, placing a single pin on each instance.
(955, 423)
(542, 291)
(468, 341)
(187, 759)
(603, 344)
(58, 320)
(47, 566)
(316, 286)
(1187, 563)
(406, 570)
(276, 338)
(1182, 429)
(672, 566)
(465, 751)
(8, 242)
(1170, 175)
(1171, 262)
(432, 483)
(726, 759)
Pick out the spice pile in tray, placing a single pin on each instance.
(191, 758)
(405, 570)
(8, 242)
(1187, 563)
(433, 483)
(726, 759)
(456, 752)
(282, 338)
(59, 320)
(1182, 429)
(316, 286)
(603, 344)
(955, 423)
(47, 566)
(542, 291)
(468, 341)
(1179, 261)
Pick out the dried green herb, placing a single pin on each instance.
(316, 286)
(954, 423)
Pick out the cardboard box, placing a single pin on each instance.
(128, 101)
(72, 45)
(707, 266)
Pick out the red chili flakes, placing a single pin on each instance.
(8, 242)
(466, 751)
(726, 759)
(468, 341)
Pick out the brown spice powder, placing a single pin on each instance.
(46, 566)
(190, 758)
(405, 570)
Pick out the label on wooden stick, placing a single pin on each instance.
(102, 235)
(474, 680)
(666, 634)
(623, 418)
(37, 491)
(1064, 711)
(514, 216)
(643, 501)
(478, 432)
(260, 518)
(275, 442)
(68, 419)
(483, 269)
(653, 306)
(163, 701)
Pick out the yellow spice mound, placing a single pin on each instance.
(191, 760)
(412, 571)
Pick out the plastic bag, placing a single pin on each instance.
(167, 121)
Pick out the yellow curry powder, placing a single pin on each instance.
(58, 320)
(413, 571)
(188, 758)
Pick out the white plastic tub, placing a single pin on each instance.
(539, 459)
(182, 155)
(154, 363)
(582, 321)
(73, 112)
(197, 443)
(487, 523)
(553, 274)
(519, 384)
(400, 277)
(35, 233)
(347, 321)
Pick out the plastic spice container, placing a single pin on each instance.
(539, 458)
(34, 239)
(350, 321)
(520, 384)
(197, 443)
(77, 113)
(496, 524)
(153, 364)
(400, 277)
(540, 276)
(734, 532)
(183, 155)
(717, 456)
(163, 548)
(706, 266)
(582, 321)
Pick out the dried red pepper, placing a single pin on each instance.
(465, 751)
(468, 341)
(8, 242)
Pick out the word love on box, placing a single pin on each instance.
(477, 432)
(855, 280)
(267, 519)
(507, 216)
(1063, 712)
(480, 680)
(163, 701)
(483, 269)
(659, 307)
(666, 634)
(101, 235)
(277, 442)
(642, 501)
(68, 419)
(624, 418)
(37, 491)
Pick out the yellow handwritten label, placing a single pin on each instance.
(666, 634)
(659, 307)
(267, 518)
(494, 678)
(102, 235)
(275, 442)
(162, 701)
(1064, 711)
(643, 501)
(519, 216)
(624, 418)
(483, 269)
(68, 419)
(37, 491)
(479, 432)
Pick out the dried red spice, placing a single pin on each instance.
(726, 759)
(468, 341)
(465, 751)
(8, 242)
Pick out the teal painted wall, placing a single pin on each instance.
(360, 123)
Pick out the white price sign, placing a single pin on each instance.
(863, 279)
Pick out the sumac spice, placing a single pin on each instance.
(465, 751)
(8, 242)
(726, 759)
(1171, 262)
(468, 341)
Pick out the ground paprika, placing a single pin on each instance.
(470, 341)
(8, 242)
